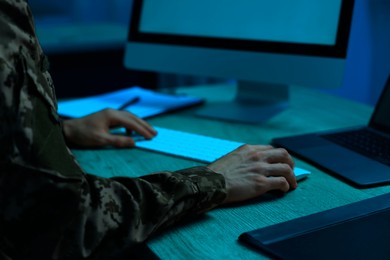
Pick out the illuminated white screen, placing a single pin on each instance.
(293, 21)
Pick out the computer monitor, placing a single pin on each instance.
(265, 45)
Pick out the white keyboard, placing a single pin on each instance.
(195, 147)
(191, 146)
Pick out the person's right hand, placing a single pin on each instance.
(252, 170)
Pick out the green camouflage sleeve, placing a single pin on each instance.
(49, 207)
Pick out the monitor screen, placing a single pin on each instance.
(300, 42)
(282, 21)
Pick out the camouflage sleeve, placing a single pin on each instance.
(50, 208)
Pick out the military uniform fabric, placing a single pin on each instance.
(49, 207)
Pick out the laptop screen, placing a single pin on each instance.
(381, 118)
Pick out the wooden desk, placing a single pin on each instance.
(214, 235)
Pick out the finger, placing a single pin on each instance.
(144, 124)
(117, 140)
(147, 133)
(278, 183)
(144, 128)
(265, 147)
(132, 122)
(282, 170)
(278, 155)
(255, 148)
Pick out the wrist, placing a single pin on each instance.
(211, 186)
(68, 130)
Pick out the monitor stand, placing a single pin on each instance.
(254, 103)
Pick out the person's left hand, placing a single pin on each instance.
(93, 130)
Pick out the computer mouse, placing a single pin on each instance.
(300, 173)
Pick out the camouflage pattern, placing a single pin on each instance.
(49, 207)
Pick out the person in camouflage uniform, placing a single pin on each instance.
(51, 209)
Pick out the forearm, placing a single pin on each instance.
(170, 196)
(77, 218)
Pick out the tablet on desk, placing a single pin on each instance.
(359, 230)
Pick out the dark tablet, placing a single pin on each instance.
(359, 230)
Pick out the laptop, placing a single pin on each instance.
(360, 156)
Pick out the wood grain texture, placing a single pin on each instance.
(214, 235)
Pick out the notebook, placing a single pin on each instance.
(339, 152)
(148, 103)
(359, 230)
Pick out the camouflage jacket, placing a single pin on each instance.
(49, 207)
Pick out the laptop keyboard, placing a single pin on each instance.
(364, 142)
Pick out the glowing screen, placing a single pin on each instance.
(297, 21)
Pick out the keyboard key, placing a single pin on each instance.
(196, 147)
(365, 142)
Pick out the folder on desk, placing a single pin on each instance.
(360, 230)
(149, 103)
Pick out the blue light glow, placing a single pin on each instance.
(298, 21)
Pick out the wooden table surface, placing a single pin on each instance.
(215, 234)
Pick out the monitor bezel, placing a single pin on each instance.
(338, 50)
